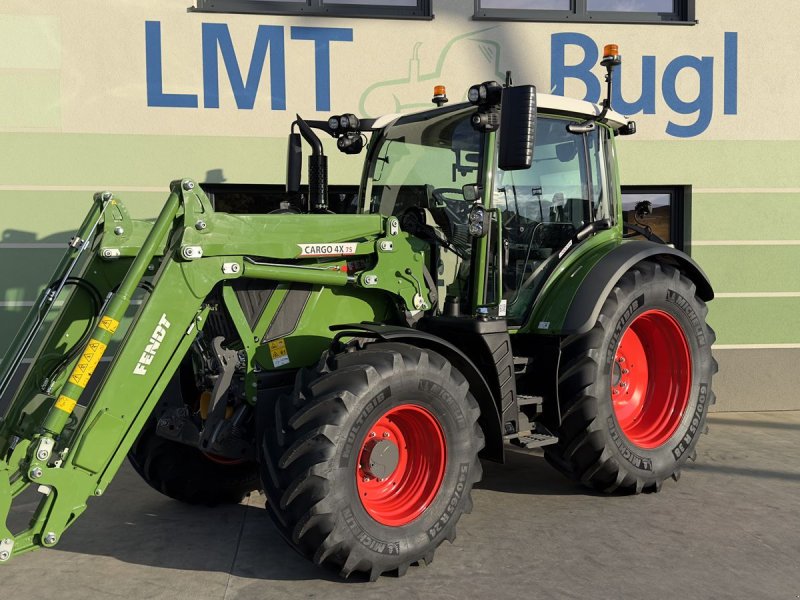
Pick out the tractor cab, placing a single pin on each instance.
(424, 169)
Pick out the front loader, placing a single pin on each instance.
(356, 367)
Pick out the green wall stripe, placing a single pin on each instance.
(762, 216)
(53, 216)
(750, 268)
(153, 160)
(755, 320)
(709, 163)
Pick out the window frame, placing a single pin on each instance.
(318, 8)
(683, 14)
(680, 222)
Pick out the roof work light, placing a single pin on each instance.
(611, 56)
(439, 95)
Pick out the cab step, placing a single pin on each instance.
(531, 440)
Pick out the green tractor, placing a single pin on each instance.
(356, 367)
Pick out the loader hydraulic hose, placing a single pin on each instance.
(68, 398)
(36, 316)
(97, 303)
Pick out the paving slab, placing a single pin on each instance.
(730, 528)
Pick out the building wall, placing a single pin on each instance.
(84, 108)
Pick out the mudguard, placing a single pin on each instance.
(480, 389)
(584, 306)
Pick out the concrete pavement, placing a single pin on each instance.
(729, 529)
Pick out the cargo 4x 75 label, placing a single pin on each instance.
(327, 249)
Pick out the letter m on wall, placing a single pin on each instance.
(269, 38)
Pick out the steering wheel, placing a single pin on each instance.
(457, 209)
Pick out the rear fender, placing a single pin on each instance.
(586, 302)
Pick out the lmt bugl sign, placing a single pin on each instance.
(702, 105)
(270, 44)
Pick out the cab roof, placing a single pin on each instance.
(547, 103)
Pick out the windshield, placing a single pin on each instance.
(416, 172)
(420, 153)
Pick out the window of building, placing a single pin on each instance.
(662, 209)
(388, 9)
(589, 11)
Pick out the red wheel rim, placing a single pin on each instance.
(651, 378)
(401, 465)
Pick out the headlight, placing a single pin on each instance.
(473, 95)
(333, 123)
(476, 222)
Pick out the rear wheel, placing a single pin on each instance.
(369, 464)
(635, 389)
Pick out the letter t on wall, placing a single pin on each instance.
(322, 37)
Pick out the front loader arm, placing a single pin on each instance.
(70, 465)
(189, 250)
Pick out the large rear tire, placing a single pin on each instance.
(369, 464)
(635, 389)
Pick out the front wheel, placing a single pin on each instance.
(635, 389)
(369, 464)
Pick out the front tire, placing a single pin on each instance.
(635, 390)
(369, 464)
(185, 474)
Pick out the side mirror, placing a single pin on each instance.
(471, 192)
(294, 162)
(517, 127)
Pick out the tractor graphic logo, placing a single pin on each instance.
(415, 89)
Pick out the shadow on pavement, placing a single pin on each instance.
(528, 474)
(137, 525)
(747, 472)
(714, 419)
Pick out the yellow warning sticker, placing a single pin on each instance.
(65, 404)
(88, 362)
(109, 324)
(277, 349)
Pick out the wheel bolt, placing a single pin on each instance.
(616, 392)
(620, 359)
(371, 434)
(365, 480)
(385, 434)
(625, 371)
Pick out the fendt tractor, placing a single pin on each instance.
(486, 293)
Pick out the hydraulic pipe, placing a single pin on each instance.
(296, 274)
(71, 391)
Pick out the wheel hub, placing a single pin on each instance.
(380, 459)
